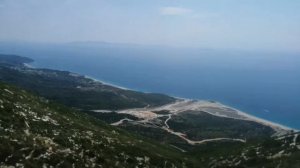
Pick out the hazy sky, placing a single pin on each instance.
(248, 24)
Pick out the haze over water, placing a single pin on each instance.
(264, 84)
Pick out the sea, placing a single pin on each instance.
(262, 83)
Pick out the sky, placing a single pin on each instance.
(241, 24)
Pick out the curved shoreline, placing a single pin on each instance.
(106, 83)
(259, 119)
(245, 114)
(279, 128)
(212, 108)
(249, 117)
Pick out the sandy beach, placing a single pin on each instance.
(106, 83)
(213, 108)
(184, 104)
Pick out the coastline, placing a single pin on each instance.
(274, 125)
(266, 122)
(258, 119)
(106, 83)
(29, 65)
(249, 117)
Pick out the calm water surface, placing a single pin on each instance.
(263, 84)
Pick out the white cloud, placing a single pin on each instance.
(175, 11)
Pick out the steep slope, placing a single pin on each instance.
(36, 133)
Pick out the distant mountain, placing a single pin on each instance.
(101, 43)
(148, 130)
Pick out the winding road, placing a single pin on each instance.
(191, 142)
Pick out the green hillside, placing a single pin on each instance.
(36, 133)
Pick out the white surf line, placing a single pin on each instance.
(254, 118)
(199, 105)
(279, 129)
(120, 122)
(104, 82)
(185, 105)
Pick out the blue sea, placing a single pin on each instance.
(264, 84)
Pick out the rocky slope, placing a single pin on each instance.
(36, 133)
